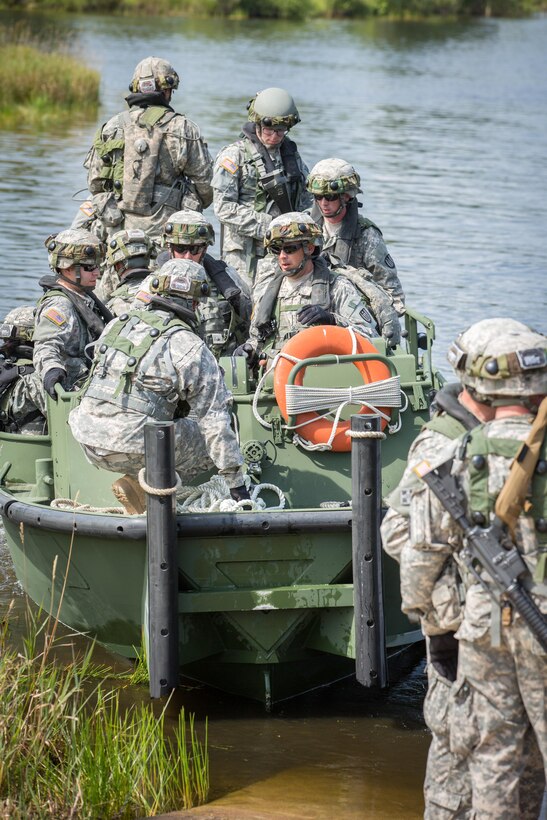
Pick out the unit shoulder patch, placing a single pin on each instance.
(88, 208)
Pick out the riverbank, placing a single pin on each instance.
(291, 9)
(50, 84)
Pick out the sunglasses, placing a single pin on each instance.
(328, 197)
(276, 249)
(89, 266)
(193, 249)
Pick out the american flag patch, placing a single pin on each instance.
(422, 468)
(229, 165)
(55, 317)
(144, 296)
(87, 208)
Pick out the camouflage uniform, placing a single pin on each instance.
(22, 398)
(149, 161)
(502, 670)
(176, 372)
(355, 240)
(447, 785)
(128, 257)
(240, 202)
(345, 303)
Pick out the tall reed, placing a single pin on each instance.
(68, 749)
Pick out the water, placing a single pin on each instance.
(446, 124)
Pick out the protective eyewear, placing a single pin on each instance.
(276, 249)
(328, 197)
(89, 266)
(192, 249)
(271, 130)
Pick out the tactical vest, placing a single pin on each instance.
(451, 419)
(130, 163)
(122, 388)
(92, 321)
(349, 234)
(481, 503)
(10, 370)
(258, 155)
(269, 309)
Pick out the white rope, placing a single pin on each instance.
(69, 504)
(365, 434)
(302, 399)
(214, 496)
(157, 490)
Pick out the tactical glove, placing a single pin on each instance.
(443, 654)
(391, 330)
(53, 377)
(249, 352)
(315, 315)
(240, 493)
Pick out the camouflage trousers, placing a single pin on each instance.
(191, 458)
(447, 786)
(500, 692)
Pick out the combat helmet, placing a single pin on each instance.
(333, 176)
(291, 228)
(188, 228)
(273, 107)
(178, 279)
(154, 74)
(501, 359)
(74, 246)
(133, 248)
(18, 325)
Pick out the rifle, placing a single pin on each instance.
(504, 566)
(275, 184)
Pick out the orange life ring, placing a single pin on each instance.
(320, 341)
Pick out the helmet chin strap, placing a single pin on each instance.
(78, 282)
(301, 266)
(343, 204)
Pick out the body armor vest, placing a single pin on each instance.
(451, 419)
(92, 320)
(288, 195)
(120, 386)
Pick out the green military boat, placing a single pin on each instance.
(265, 598)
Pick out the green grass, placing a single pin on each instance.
(68, 749)
(50, 86)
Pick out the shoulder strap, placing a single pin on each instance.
(92, 321)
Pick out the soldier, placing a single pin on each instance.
(128, 256)
(22, 399)
(257, 178)
(147, 162)
(303, 292)
(502, 674)
(150, 364)
(348, 238)
(225, 313)
(69, 316)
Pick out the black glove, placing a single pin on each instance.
(53, 377)
(240, 493)
(315, 315)
(443, 654)
(391, 332)
(249, 352)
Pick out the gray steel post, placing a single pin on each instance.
(161, 540)
(368, 595)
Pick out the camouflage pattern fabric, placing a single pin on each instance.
(121, 299)
(21, 400)
(235, 188)
(346, 305)
(60, 338)
(220, 326)
(501, 684)
(177, 365)
(107, 284)
(370, 254)
(183, 152)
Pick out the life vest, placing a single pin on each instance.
(258, 155)
(121, 387)
(349, 234)
(451, 419)
(93, 318)
(268, 310)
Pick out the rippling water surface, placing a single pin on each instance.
(447, 125)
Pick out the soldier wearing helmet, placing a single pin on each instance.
(348, 238)
(150, 365)
(303, 291)
(258, 177)
(22, 399)
(69, 316)
(501, 667)
(226, 312)
(128, 258)
(147, 162)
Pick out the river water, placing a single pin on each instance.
(447, 125)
